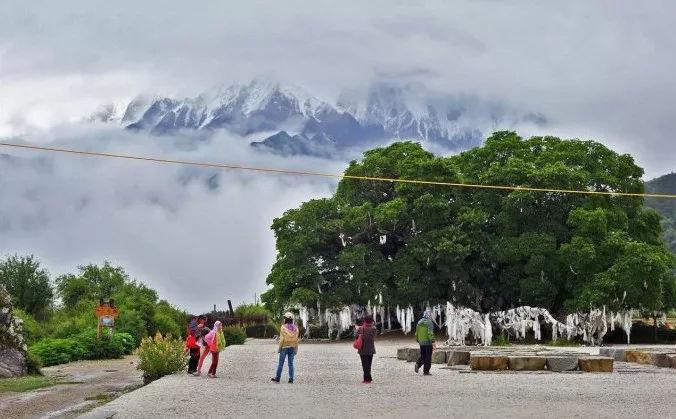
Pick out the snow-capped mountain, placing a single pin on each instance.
(303, 124)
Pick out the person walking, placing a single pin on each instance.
(201, 331)
(215, 343)
(424, 334)
(288, 347)
(367, 333)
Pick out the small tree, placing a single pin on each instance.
(27, 284)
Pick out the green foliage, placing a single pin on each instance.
(160, 356)
(234, 335)
(32, 330)
(53, 351)
(485, 249)
(140, 312)
(252, 310)
(260, 331)
(27, 284)
(58, 351)
(33, 363)
(500, 340)
(665, 207)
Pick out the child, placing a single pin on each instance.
(193, 348)
(288, 347)
(215, 343)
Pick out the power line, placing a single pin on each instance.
(327, 175)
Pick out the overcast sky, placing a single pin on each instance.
(601, 70)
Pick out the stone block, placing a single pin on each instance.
(402, 354)
(618, 354)
(638, 356)
(458, 357)
(660, 359)
(672, 357)
(413, 354)
(439, 357)
(488, 362)
(527, 363)
(562, 363)
(595, 363)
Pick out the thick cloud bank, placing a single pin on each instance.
(199, 236)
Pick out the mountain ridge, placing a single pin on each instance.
(301, 123)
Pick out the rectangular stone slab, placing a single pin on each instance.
(413, 354)
(638, 356)
(595, 363)
(456, 357)
(488, 362)
(402, 354)
(527, 363)
(618, 354)
(660, 359)
(439, 357)
(672, 357)
(562, 363)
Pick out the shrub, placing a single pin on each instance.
(58, 351)
(160, 356)
(31, 328)
(82, 346)
(261, 331)
(234, 335)
(105, 348)
(33, 363)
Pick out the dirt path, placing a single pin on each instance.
(91, 383)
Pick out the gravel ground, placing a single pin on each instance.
(328, 384)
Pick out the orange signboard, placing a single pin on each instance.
(106, 311)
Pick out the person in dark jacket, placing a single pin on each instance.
(424, 334)
(368, 348)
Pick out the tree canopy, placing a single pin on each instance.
(28, 284)
(482, 248)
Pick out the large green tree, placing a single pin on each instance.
(28, 284)
(484, 248)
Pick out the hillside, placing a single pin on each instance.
(666, 207)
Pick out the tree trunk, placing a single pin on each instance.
(654, 329)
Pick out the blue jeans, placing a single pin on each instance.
(286, 352)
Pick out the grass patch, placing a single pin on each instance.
(27, 383)
(500, 340)
(562, 343)
(103, 397)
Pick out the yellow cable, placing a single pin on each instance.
(329, 175)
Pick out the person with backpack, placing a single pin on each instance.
(215, 344)
(424, 334)
(366, 346)
(288, 347)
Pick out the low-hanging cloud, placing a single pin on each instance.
(198, 236)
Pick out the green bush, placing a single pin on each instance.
(160, 356)
(58, 351)
(261, 331)
(105, 348)
(82, 346)
(234, 335)
(33, 363)
(31, 328)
